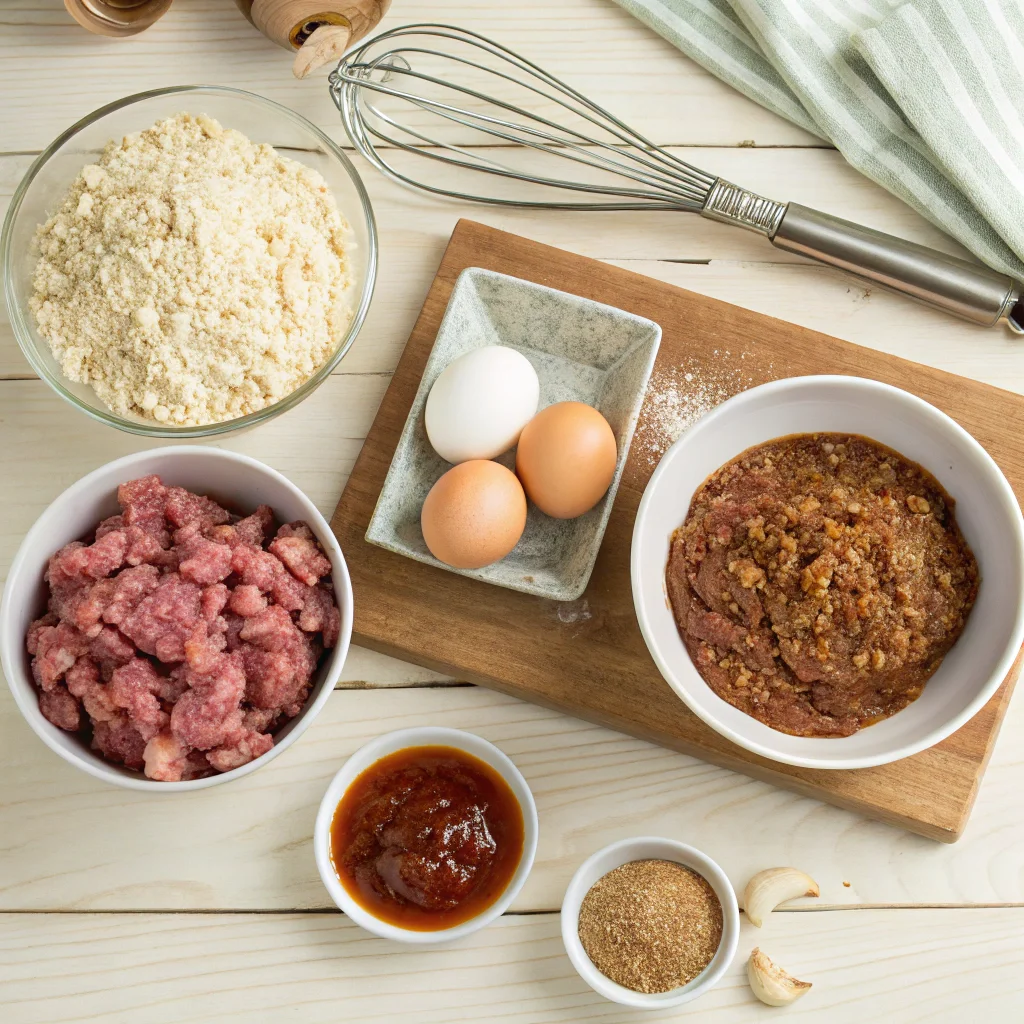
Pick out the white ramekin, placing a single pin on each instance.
(986, 509)
(426, 736)
(649, 848)
(240, 483)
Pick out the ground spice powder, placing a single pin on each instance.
(651, 925)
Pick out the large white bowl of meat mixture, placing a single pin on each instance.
(840, 664)
(189, 640)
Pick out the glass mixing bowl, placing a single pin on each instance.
(262, 120)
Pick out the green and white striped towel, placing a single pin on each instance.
(925, 97)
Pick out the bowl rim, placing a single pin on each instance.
(25, 699)
(400, 739)
(1001, 488)
(21, 328)
(625, 851)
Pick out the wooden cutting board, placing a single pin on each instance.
(589, 658)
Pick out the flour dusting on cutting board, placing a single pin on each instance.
(678, 396)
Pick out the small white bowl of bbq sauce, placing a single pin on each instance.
(425, 886)
(648, 849)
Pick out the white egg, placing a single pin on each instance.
(480, 403)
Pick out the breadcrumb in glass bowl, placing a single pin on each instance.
(51, 176)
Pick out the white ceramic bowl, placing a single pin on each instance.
(426, 736)
(986, 509)
(237, 481)
(649, 848)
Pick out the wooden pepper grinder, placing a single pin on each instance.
(321, 30)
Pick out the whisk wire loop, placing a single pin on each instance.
(637, 174)
(532, 138)
(490, 123)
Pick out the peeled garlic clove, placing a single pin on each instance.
(771, 984)
(768, 888)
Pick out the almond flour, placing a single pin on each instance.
(192, 276)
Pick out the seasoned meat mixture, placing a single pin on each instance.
(818, 581)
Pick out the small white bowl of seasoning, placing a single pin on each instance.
(431, 784)
(678, 895)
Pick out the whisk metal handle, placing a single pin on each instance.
(967, 290)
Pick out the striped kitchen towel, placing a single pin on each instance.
(925, 97)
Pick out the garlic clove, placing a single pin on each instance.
(771, 984)
(768, 888)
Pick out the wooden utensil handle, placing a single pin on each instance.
(320, 29)
(290, 23)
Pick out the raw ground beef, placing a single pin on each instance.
(180, 637)
(818, 581)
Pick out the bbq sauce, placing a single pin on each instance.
(427, 837)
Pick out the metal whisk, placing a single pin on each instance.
(442, 99)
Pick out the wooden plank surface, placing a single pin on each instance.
(940, 966)
(592, 43)
(591, 659)
(71, 844)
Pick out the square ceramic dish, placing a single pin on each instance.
(582, 351)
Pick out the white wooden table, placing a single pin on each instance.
(207, 907)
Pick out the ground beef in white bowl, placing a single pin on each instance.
(180, 637)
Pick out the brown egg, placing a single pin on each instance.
(566, 459)
(474, 515)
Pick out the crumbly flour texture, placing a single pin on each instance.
(192, 276)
